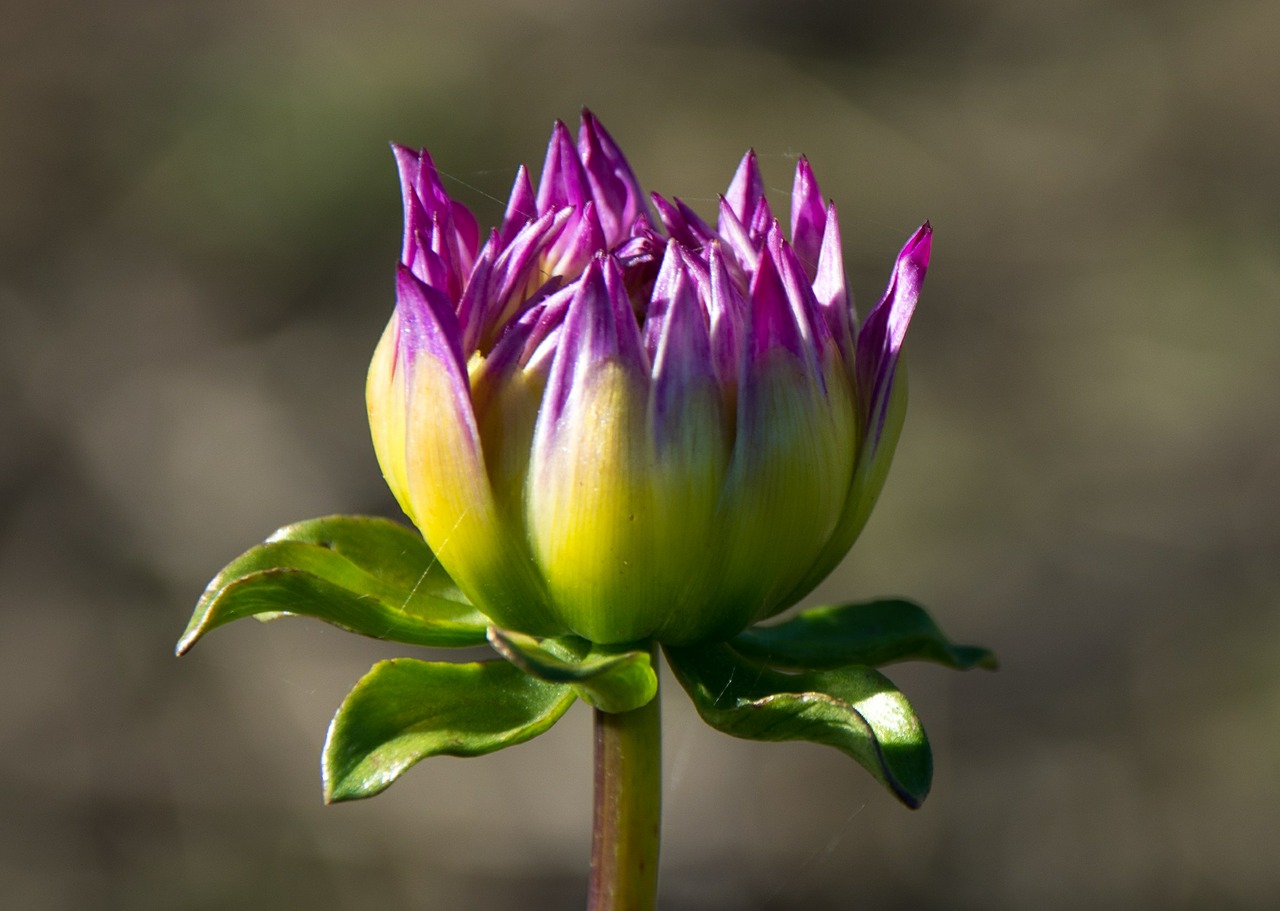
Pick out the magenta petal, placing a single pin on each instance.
(513, 272)
(772, 320)
(512, 350)
(613, 184)
(444, 244)
(583, 238)
(626, 345)
(563, 181)
(416, 222)
(700, 229)
(477, 297)
(547, 317)
(426, 204)
(675, 217)
(429, 187)
(467, 230)
(682, 353)
(746, 189)
(428, 325)
(880, 338)
(522, 207)
(761, 221)
(807, 217)
(727, 312)
(599, 325)
(408, 163)
(427, 264)
(745, 251)
(799, 292)
(670, 273)
(830, 288)
(697, 265)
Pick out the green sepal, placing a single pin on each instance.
(872, 633)
(405, 710)
(855, 709)
(363, 574)
(609, 680)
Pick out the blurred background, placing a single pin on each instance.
(199, 219)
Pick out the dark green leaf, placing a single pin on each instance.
(873, 633)
(612, 681)
(854, 709)
(405, 710)
(366, 575)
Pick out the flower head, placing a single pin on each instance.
(627, 428)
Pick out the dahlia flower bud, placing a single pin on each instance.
(626, 428)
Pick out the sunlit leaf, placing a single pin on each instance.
(366, 575)
(855, 709)
(405, 710)
(873, 633)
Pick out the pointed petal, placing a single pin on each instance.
(617, 193)
(425, 202)
(506, 399)
(518, 273)
(689, 430)
(467, 232)
(807, 218)
(544, 339)
(699, 228)
(429, 187)
(881, 403)
(582, 239)
(793, 449)
(664, 288)
(444, 245)
(428, 324)
(563, 181)
(746, 251)
(761, 221)
(773, 323)
(800, 295)
(416, 222)
(682, 223)
(671, 219)
(830, 289)
(477, 297)
(869, 475)
(746, 189)
(427, 264)
(448, 487)
(880, 338)
(727, 310)
(522, 207)
(588, 499)
(682, 349)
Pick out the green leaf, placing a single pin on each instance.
(405, 710)
(386, 550)
(366, 575)
(612, 681)
(854, 709)
(873, 633)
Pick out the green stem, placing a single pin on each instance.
(628, 809)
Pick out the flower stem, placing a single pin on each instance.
(628, 809)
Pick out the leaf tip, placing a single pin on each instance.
(343, 791)
(909, 800)
(191, 635)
